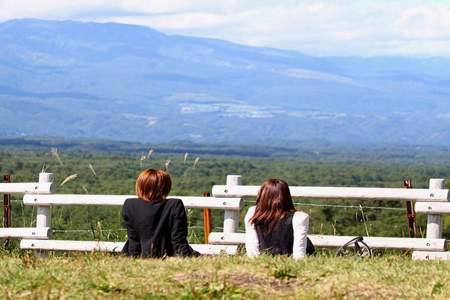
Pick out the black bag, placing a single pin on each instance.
(310, 249)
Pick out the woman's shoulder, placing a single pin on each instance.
(130, 201)
(252, 208)
(173, 202)
(299, 217)
(250, 212)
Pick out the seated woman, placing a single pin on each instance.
(156, 225)
(274, 226)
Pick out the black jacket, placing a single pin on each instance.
(156, 228)
(281, 239)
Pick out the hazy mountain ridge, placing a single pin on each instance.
(128, 82)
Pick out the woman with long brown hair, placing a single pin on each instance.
(156, 225)
(273, 226)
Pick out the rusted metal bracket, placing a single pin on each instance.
(410, 212)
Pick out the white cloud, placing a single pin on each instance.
(318, 27)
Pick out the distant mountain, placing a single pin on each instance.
(124, 82)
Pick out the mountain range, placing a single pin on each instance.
(125, 82)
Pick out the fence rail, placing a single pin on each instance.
(330, 241)
(362, 193)
(26, 188)
(25, 233)
(433, 208)
(118, 200)
(65, 245)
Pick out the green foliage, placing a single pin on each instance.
(115, 173)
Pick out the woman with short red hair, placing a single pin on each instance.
(273, 226)
(156, 225)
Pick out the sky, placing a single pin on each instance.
(315, 27)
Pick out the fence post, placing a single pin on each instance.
(206, 221)
(44, 213)
(231, 217)
(7, 209)
(434, 221)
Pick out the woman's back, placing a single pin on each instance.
(280, 240)
(156, 225)
(156, 228)
(288, 236)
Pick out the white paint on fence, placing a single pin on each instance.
(221, 238)
(44, 213)
(329, 241)
(381, 242)
(25, 233)
(390, 194)
(230, 217)
(431, 255)
(64, 245)
(434, 221)
(433, 207)
(26, 188)
(118, 200)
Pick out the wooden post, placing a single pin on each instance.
(434, 221)
(44, 213)
(206, 220)
(410, 212)
(7, 209)
(7, 204)
(231, 217)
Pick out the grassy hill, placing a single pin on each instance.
(88, 276)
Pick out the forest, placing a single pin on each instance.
(105, 170)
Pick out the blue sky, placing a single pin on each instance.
(319, 27)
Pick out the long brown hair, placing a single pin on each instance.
(272, 203)
(153, 185)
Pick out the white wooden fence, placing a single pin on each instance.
(40, 194)
(433, 201)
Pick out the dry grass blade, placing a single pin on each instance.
(167, 163)
(185, 157)
(195, 162)
(54, 152)
(85, 189)
(150, 153)
(92, 169)
(68, 178)
(142, 158)
(364, 219)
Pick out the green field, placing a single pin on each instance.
(88, 276)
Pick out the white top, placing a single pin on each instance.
(300, 224)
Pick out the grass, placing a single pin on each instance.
(95, 275)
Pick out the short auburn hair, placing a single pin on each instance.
(153, 184)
